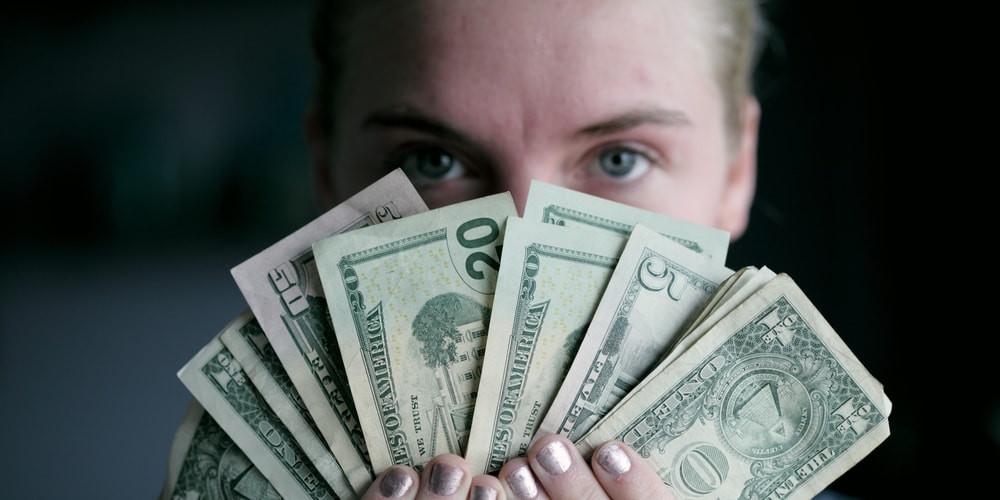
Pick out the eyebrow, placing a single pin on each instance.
(403, 116)
(411, 118)
(634, 118)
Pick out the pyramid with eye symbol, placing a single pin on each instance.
(764, 410)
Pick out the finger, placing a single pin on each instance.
(624, 475)
(445, 477)
(396, 482)
(486, 487)
(519, 482)
(562, 471)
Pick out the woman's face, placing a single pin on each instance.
(476, 97)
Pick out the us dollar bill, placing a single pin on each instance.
(565, 207)
(549, 284)
(282, 288)
(218, 382)
(770, 403)
(748, 281)
(251, 349)
(657, 288)
(205, 463)
(410, 302)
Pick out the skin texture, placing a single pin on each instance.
(479, 97)
(470, 98)
(576, 478)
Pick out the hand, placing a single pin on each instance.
(552, 469)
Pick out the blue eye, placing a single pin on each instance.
(622, 163)
(428, 164)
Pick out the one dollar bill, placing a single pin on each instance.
(769, 403)
(283, 290)
(205, 463)
(218, 382)
(248, 344)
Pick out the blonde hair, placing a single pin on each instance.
(736, 43)
(737, 46)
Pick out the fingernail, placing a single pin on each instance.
(613, 459)
(395, 483)
(554, 458)
(445, 479)
(483, 493)
(522, 483)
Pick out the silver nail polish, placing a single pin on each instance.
(395, 483)
(522, 483)
(445, 479)
(614, 459)
(554, 458)
(483, 493)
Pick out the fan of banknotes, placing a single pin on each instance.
(385, 333)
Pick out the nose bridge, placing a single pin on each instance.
(522, 149)
(517, 176)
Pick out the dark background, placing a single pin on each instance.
(148, 147)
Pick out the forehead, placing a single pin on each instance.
(578, 52)
(522, 23)
(418, 33)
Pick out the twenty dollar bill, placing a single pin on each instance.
(410, 303)
(562, 206)
(550, 281)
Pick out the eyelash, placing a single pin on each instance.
(417, 151)
(642, 154)
(403, 154)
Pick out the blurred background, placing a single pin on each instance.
(148, 147)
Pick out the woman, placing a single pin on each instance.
(645, 102)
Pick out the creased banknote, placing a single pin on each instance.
(657, 288)
(769, 403)
(565, 207)
(248, 344)
(748, 281)
(205, 463)
(410, 302)
(223, 389)
(283, 290)
(550, 281)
